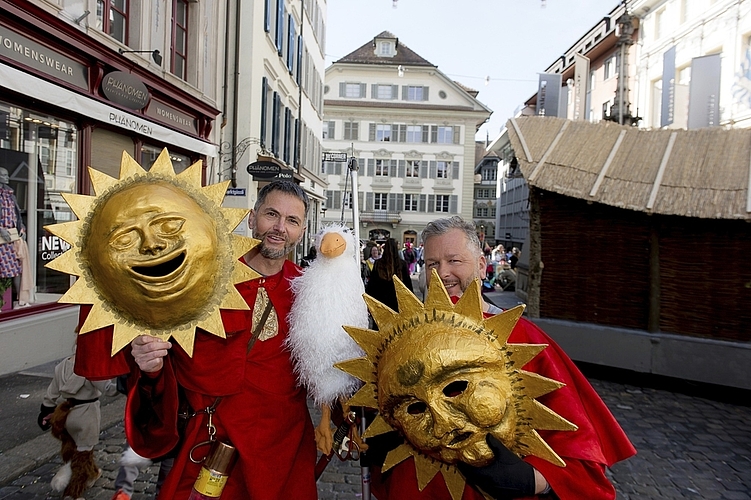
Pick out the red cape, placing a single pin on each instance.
(598, 443)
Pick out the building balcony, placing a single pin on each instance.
(382, 216)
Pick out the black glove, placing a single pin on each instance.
(508, 476)
(43, 412)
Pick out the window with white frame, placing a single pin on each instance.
(414, 133)
(416, 93)
(481, 212)
(410, 202)
(443, 170)
(413, 168)
(445, 135)
(385, 92)
(353, 90)
(489, 174)
(351, 131)
(383, 132)
(329, 129)
(382, 168)
(442, 203)
(380, 201)
(609, 67)
(385, 48)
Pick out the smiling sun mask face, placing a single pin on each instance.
(153, 251)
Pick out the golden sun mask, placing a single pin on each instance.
(155, 253)
(444, 377)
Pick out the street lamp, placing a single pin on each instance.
(323, 211)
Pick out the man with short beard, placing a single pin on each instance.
(452, 248)
(246, 379)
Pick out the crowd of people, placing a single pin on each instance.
(242, 389)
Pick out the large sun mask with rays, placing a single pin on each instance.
(155, 253)
(444, 377)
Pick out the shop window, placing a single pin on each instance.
(112, 18)
(39, 154)
(149, 154)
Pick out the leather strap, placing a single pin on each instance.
(259, 326)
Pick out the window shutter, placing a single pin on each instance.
(361, 164)
(395, 91)
(421, 204)
(402, 133)
(392, 168)
(405, 92)
(329, 199)
(432, 170)
(453, 200)
(326, 168)
(374, 91)
(424, 169)
(371, 167)
(337, 199)
(394, 132)
(425, 133)
(275, 124)
(425, 93)
(402, 169)
(342, 89)
(359, 200)
(332, 129)
(337, 168)
(391, 206)
(363, 90)
(431, 203)
(455, 170)
(267, 16)
(456, 134)
(264, 108)
(400, 202)
(371, 132)
(355, 129)
(368, 202)
(433, 134)
(279, 26)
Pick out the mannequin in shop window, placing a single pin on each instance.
(13, 249)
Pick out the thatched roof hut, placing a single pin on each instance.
(646, 230)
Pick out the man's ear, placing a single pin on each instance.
(483, 267)
(252, 219)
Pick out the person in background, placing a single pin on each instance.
(71, 409)
(514, 259)
(381, 283)
(453, 250)
(305, 261)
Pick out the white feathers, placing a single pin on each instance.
(327, 295)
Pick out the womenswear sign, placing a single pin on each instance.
(126, 90)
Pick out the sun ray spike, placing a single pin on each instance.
(397, 456)
(470, 304)
(383, 315)
(546, 419)
(216, 191)
(213, 324)
(100, 181)
(536, 385)
(233, 300)
(366, 396)
(426, 471)
(521, 354)
(66, 263)
(129, 167)
(502, 324)
(369, 340)
(242, 245)
(186, 340)
(437, 296)
(69, 231)
(80, 203)
(409, 304)
(454, 482)
(96, 319)
(121, 336)
(163, 165)
(193, 174)
(377, 427)
(536, 446)
(361, 368)
(234, 216)
(79, 293)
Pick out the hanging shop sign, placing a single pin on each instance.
(125, 89)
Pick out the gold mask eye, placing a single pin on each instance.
(169, 226)
(125, 240)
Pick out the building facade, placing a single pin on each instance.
(274, 102)
(484, 206)
(694, 63)
(411, 129)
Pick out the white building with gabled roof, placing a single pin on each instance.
(412, 130)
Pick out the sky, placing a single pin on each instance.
(510, 41)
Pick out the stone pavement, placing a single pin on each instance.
(693, 440)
